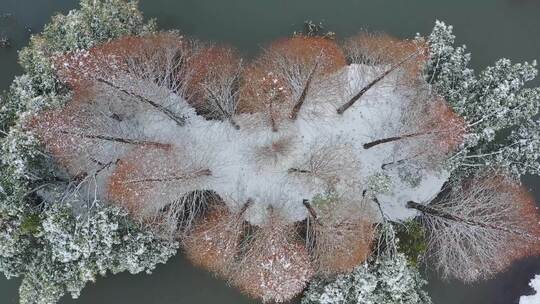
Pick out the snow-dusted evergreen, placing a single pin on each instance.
(53, 247)
(491, 102)
(121, 142)
(387, 280)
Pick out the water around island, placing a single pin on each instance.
(490, 28)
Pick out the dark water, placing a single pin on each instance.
(491, 29)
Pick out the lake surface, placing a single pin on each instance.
(490, 28)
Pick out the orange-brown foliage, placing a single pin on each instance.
(525, 217)
(141, 162)
(305, 50)
(381, 48)
(213, 242)
(530, 220)
(275, 266)
(447, 125)
(508, 214)
(342, 233)
(209, 62)
(264, 81)
(57, 129)
(127, 54)
(340, 247)
(262, 89)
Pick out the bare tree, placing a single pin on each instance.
(340, 233)
(381, 50)
(154, 183)
(428, 131)
(214, 241)
(478, 228)
(274, 150)
(330, 162)
(280, 80)
(118, 88)
(143, 70)
(90, 130)
(215, 82)
(274, 266)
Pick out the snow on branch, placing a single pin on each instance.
(342, 232)
(375, 50)
(214, 83)
(278, 82)
(274, 265)
(214, 241)
(147, 69)
(254, 171)
(154, 183)
(481, 227)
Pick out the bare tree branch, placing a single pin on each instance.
(356, 97)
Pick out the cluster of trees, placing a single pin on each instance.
(389, 279)
(483, 219)
(108, 163)
(478, 228)
(498, 108)
(54, 235)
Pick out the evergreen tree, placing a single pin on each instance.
(492, 102)
(77, 248)
(55, 247)
(389, 280)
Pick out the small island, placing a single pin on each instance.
(325, 168)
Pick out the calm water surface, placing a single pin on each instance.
(491, 29)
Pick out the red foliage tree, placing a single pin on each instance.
(143, 70)
(383, 49)
(404, 57)
(340, 235)
(214, 241)
(86, 134)
(431, 130)
(213, 85)
(154, 184)
(274, 266)
(278, 82)
(480, 227)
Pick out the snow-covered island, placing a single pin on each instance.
(322, 166)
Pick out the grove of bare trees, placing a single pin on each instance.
(289, 167)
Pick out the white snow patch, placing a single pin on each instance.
(535, 298)
(239, 174)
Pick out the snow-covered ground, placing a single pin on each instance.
(253, 162)
(240, 173)
(535, 298)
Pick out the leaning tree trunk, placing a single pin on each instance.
(426, 209)
(356, 97)
(391, 139)
(302, 98)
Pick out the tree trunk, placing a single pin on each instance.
(311, 211)
(296, 170)
(434, 212)
(248, 203)
(301, 99)
(390, 139)
(121, 140)
(273, 123)
(229, 116)
(190, 175)
(426, 209)
(355, 98)
(179, 120)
